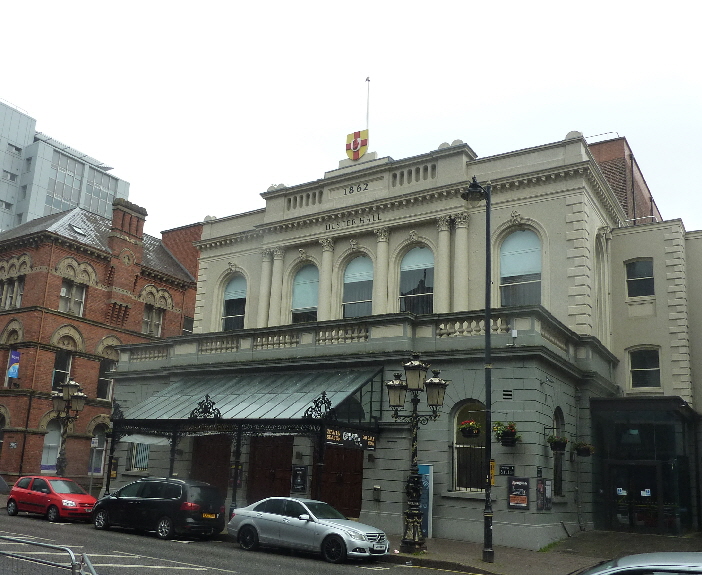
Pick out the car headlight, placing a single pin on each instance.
(357, 535)
(69, 503)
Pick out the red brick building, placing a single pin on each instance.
(73, 287)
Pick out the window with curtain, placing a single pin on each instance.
(234, 304)
(51, 446)
(417, 281)
(72, 297)
(305, 295)
(469, 471)
(358, 287)
(520, 269)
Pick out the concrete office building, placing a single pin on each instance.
(42, 176)
(319, 298)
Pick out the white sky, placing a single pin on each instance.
(201, 106)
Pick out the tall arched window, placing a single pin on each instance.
(469, 452)
(520, 269)
(417, 281)
(234, 304)
(97, 454)
(358, 287)
(305, 295)
(52, 439)
(558, 430)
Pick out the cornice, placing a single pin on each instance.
(530, 180)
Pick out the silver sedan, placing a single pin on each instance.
(306, 525)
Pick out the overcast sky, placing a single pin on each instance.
(202, 106)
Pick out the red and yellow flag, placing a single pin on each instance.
(356, 144)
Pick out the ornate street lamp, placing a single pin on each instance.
(435, 387)
(475, 193)
(67, 398)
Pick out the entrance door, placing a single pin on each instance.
(636, 498)
(270, 467)
(341, 479)
(211, 460)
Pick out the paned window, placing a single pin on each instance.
(9, 176)
(100, 191)
(97, 454)
(305, 295)
(520, 269)
(104, 386)
(358, 287)
(188, 324)
(639, 278)
(645, 368)
(50, 451)
(65, 183)
(62, 367)
(152, 320)
(11, 291)
(234, 304)
(417, 281)
(469, 463)
(72, 298)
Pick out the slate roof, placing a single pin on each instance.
(252, 396)
(92, 230)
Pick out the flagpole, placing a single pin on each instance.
(368, 102)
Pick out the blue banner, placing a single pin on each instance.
(13, 370)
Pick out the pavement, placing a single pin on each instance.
(584, 549)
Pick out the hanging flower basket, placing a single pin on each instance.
(509, 438)
(557, 443)
(469, 428)
(583, 449)
(506, 433)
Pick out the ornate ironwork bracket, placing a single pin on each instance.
(321, 408)
(205, 410)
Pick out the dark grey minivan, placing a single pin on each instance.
(167, 506)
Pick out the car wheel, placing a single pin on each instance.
(248, 538)
(334, 549)
(52, 514)
(101, 520)
(165, 528)
(11, 507)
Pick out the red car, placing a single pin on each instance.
(56, 497)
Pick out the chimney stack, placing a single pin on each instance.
(128, 218)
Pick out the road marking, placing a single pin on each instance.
(133, 556)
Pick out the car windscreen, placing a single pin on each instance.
(204, 493)
(324, 510)
(63, 486)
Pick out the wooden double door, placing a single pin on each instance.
(338, 481)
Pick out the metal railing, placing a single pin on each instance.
(26, 557)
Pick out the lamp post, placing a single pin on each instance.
(476, 192)
(67, 398)
(435, 387)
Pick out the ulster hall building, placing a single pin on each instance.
(307, 307)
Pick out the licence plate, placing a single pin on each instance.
(379, 546)
(209, 516)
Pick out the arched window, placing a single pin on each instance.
(520, 269)
(234, 304)
(52, 439)
(305, 294)
(469, 452)
(358, 287)
(417, 281)
(104, 385)
(558, 430)
(97, 454)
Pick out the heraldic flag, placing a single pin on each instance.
(356, 144)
